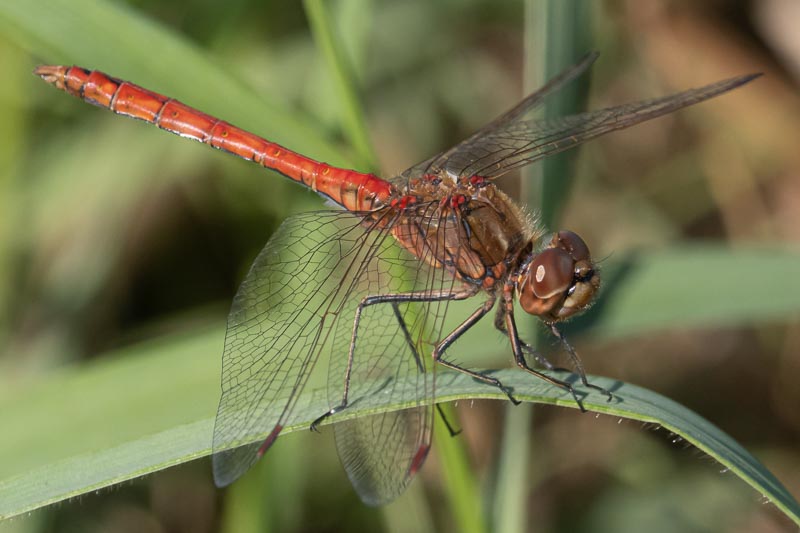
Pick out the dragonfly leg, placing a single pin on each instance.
(420, 366)
(394, 299)
(576, 362)
(453, 432)
(438, 351)
(519, 354)
(407, 335)
(500, 324)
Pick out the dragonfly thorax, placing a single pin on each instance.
(475, 233)
(560, 281)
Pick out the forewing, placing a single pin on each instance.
(521, 142)
(515, 139)
(524, 108)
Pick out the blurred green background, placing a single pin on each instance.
(120, 244)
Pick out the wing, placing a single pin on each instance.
(522, 142)
(279, 324)
(298, 303)
(381, 453)
(531, 102)
(515, 140)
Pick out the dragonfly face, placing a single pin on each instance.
(560, 281)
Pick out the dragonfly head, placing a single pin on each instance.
(560, 281)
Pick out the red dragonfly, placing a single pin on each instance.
(368, 286)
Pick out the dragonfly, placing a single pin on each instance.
(366, 287)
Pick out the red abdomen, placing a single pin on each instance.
(353, 190)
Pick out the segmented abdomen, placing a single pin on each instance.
(353, 190)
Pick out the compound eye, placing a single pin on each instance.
(569, 241)
(551, 272)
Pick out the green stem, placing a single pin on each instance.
(461, 485)
(329, 43)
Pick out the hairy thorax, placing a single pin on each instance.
(470, 228)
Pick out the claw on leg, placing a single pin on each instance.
(511, 397)
(576, 361)
(317, 421)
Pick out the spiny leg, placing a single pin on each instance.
(576, 362)
(500, 325)
(420, 366)
(519, 355)
(438, 351)
(407, 336)
(453, 432)
(394, 300)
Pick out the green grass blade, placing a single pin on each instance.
(152, 407)
(330, 45)
(692, 285)
(509, 510)
(461, 485)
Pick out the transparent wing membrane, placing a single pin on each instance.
(529, 104)
(515, 139)
(298, 303)
(522, 142)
